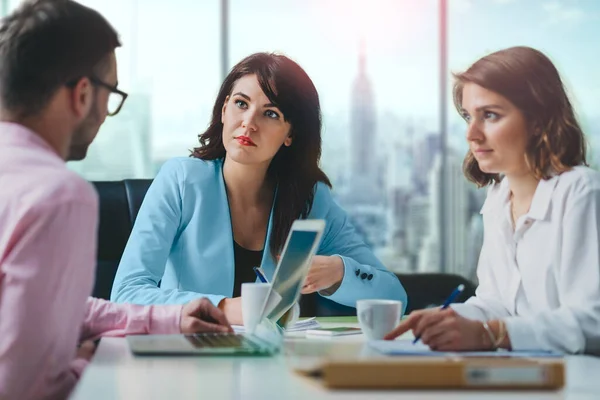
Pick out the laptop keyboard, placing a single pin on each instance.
(219, 340)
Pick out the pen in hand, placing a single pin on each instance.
(459, 289)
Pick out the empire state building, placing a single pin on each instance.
(365, 201)
(363, 133)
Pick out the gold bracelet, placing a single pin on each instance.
(490, 333)
(501, 333)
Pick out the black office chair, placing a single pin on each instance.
(423, 291)
(432, 289)
(119, 205)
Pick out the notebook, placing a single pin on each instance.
(407, 348)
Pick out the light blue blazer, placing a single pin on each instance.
(183, 239)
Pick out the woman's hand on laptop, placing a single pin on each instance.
(200, 316)
(325, 272)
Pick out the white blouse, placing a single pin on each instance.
(543, 277)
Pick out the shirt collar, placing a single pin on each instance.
(540, 203)
(496, 201)
(542, 197)
(18, 135)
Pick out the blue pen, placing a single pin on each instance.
(447, 303)
(260, 275)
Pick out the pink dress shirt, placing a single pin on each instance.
(48, 222)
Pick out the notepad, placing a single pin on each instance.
(407, 348)
(302, 325)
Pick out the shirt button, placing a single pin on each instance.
(364, 275)
(357, 272)
(370, 277)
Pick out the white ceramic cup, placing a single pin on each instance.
(253, 300)
(378, 317)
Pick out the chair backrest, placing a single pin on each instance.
(119, 205)
(423, 291)
(432, 289)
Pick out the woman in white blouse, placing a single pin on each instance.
(539, 267)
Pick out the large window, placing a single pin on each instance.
(566, 31)
(169, 66)
(376, 65)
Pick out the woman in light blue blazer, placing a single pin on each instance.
(208, 219)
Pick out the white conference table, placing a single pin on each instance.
(115, 373)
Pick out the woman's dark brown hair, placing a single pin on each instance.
(529, 80)
(294, 169)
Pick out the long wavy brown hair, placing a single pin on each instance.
(530, 81)
(294, 169)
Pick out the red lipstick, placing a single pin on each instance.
(245, 141)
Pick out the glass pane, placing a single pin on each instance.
(9, 5)
(566, 31)
(171, 71)
(375, 65)
(114, 101)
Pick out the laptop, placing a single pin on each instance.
(300, 247)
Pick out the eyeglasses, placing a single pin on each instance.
(116, 97)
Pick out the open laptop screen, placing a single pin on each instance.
(294, 264)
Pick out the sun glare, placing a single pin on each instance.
(382, 24)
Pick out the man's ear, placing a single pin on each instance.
(82, 97)
(224, 108)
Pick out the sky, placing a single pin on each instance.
(171, 49)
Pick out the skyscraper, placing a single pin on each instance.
(417, 223)
(424, 153)
(367, 180)
(363, 127)
(365, 202)
(456, 224)
(474, 244)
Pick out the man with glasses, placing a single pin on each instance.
(58, 80)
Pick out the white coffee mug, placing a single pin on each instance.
(378, 317)
(253, 300)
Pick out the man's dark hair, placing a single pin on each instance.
(46, 44)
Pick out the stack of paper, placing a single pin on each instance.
(406, 347)
(303, 325)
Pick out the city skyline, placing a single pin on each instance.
(172, 72)
(382, 181)
(404, 69)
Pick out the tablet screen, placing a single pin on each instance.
(292, 269)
